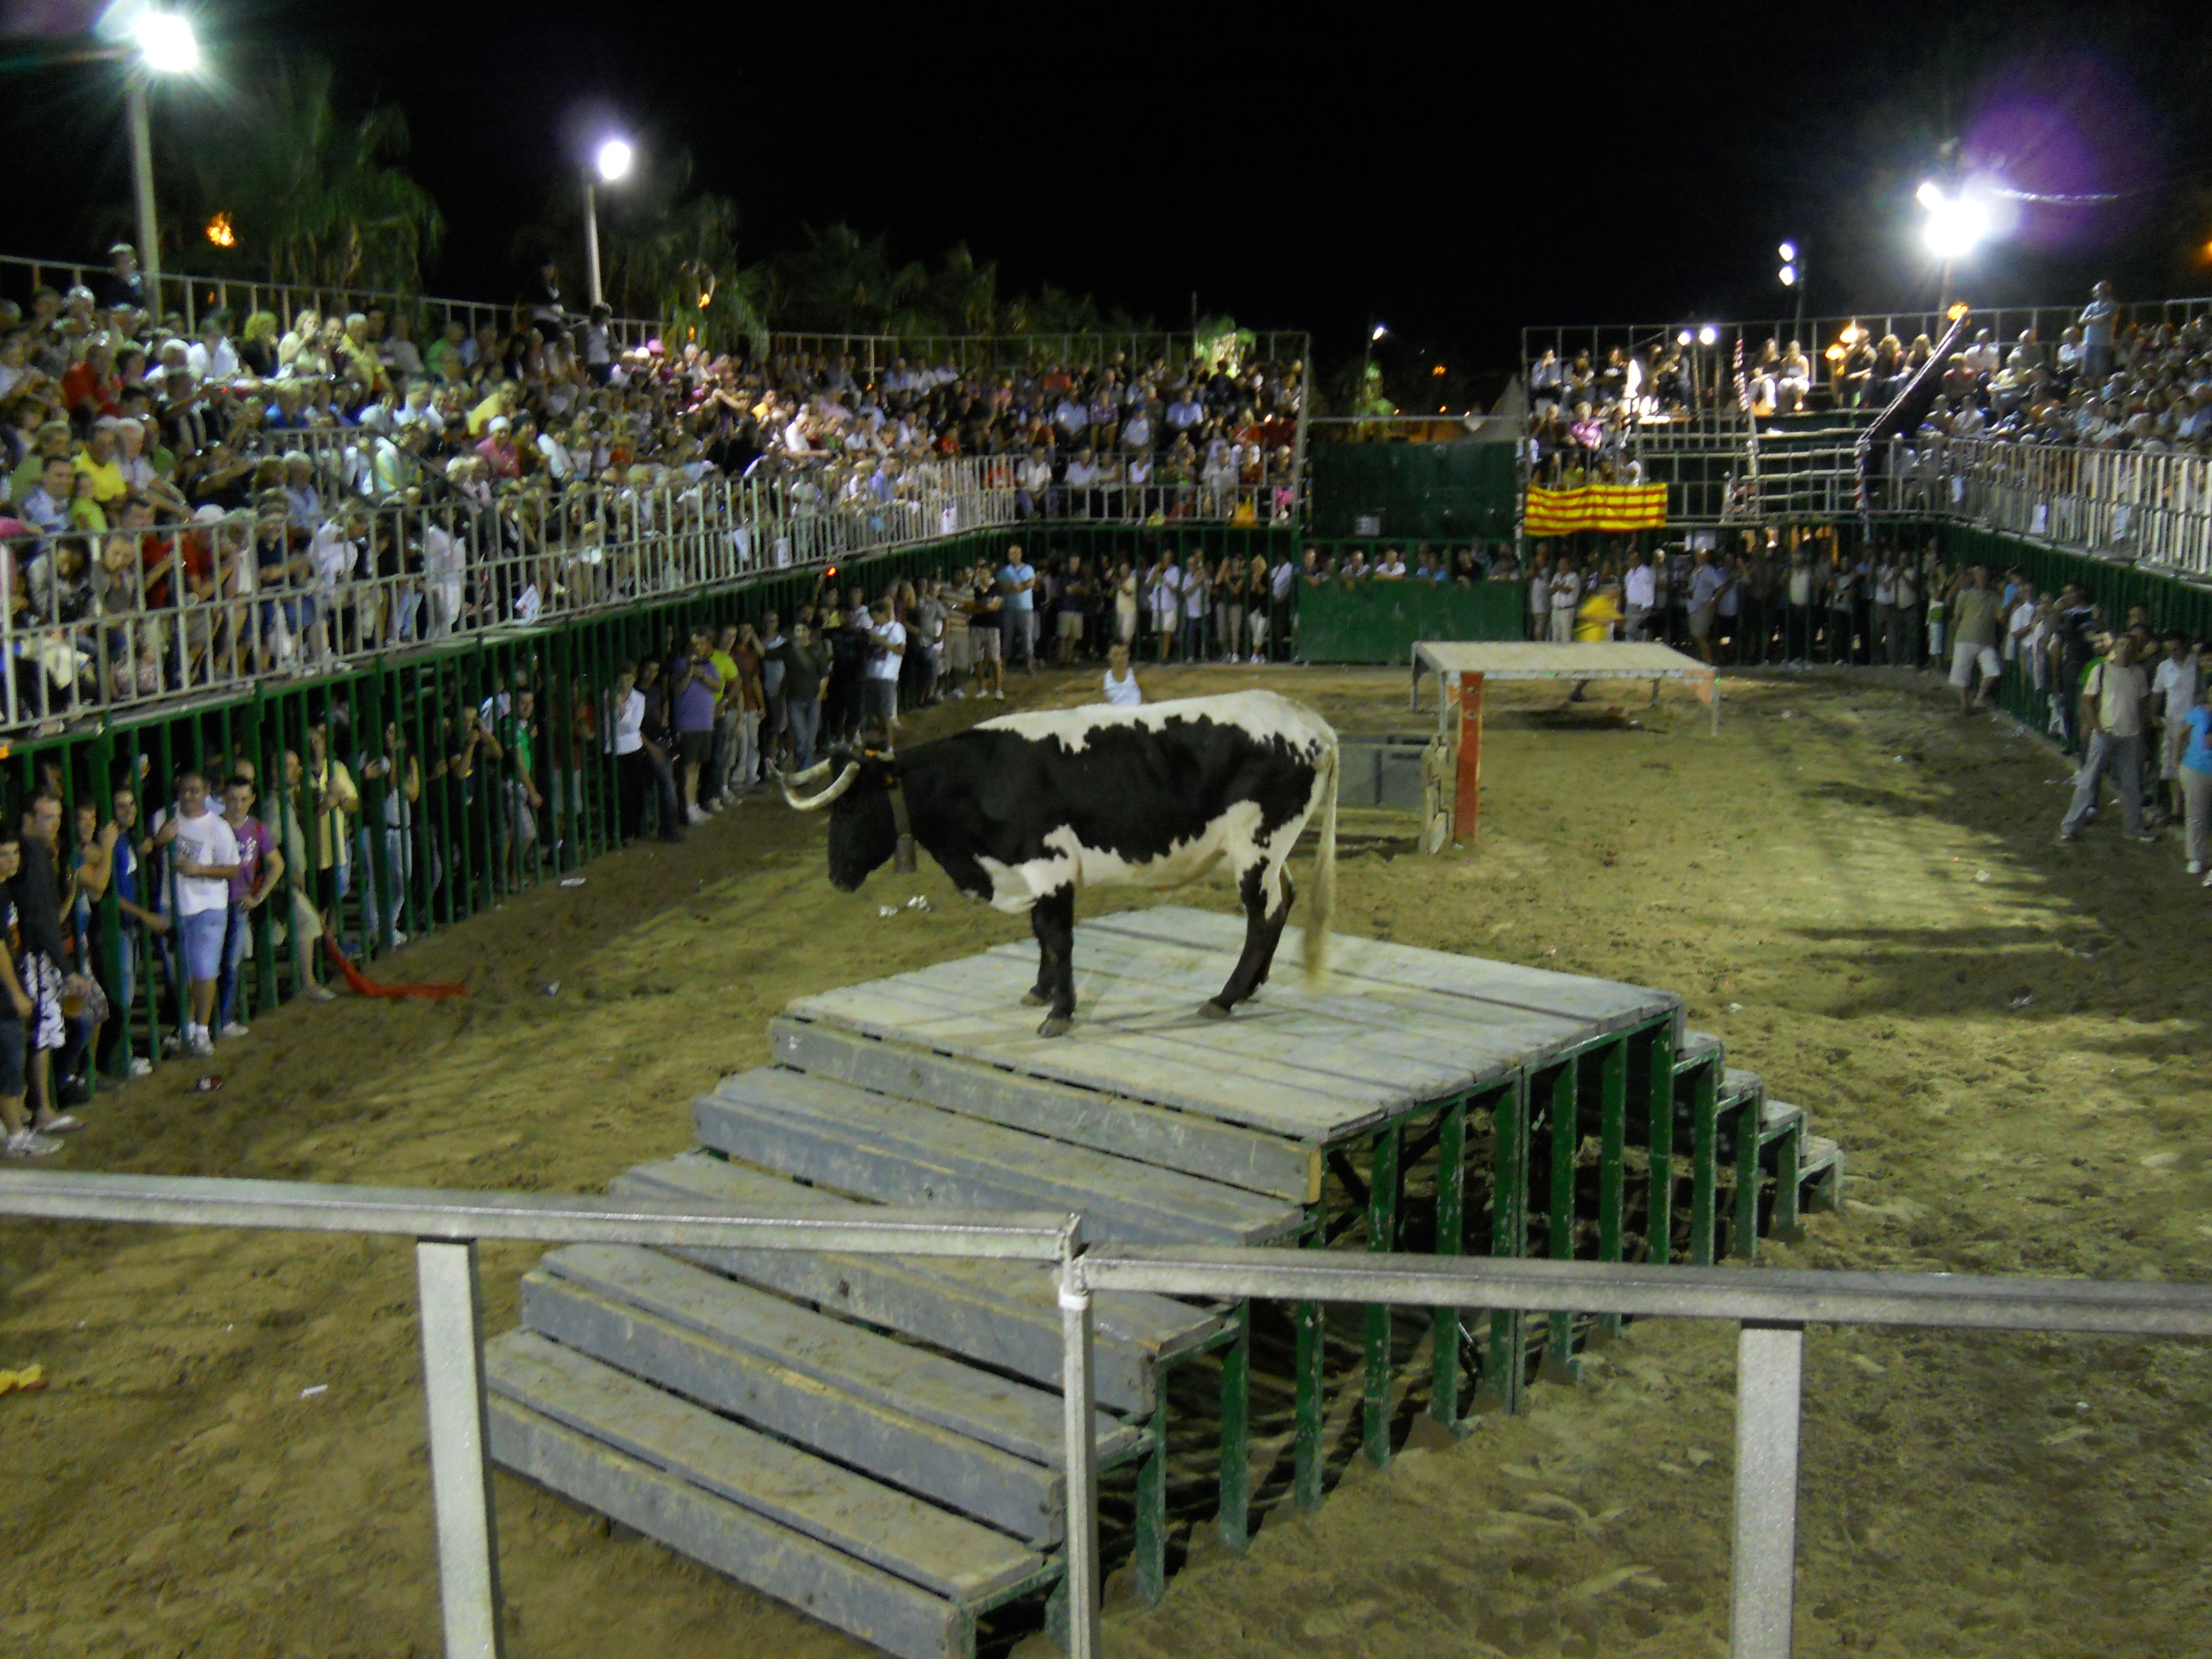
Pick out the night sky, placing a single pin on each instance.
(1455, 181)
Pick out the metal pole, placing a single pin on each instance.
(460, 1473)
(142, 189)
(592, 240)
(1082, 1583)
(1769, 1388)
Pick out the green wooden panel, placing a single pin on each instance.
(1380, 622)
(1448, 491)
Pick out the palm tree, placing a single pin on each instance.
(312, 198)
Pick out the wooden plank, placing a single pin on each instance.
(917, 1541)
(848, 1594)
(1083, 1118)
(1607, 1003)
(1090, 1058)
(895, 1151)
(1012, 1416)
(1696, 1049)
(1009, 1492)
(1737, 1084)
(1004, 1314)
(1428, 1044)
(1114, 1029)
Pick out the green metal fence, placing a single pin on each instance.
(1440, 491)
(1379, 621)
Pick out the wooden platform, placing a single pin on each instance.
(1390, 1029)
(875, 1439)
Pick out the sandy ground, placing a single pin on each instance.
(1853, 885)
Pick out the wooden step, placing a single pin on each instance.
(850, 1359)
(1776, 1120)
(1005, 1315)
(1696, 1049)
(894, 1151)
(918, 1541)
(1083, 1118)
(1018, 1497)
(1739, 1086)
(1821, 1166)
(886, 1568)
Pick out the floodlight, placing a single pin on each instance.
(1956, 225)
(1683, 338)
(1708, 335)
(614, 159)
(1928, 195)
(1379, 332)
(1789, 252)
(166, 43)
(1788, 275)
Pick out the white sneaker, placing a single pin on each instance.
(695, 815)
(29, 1142)
(958, 695)
(141, 1066)
(1000, 695)
(235, 1029)
(2196, 867)
(199, 1042)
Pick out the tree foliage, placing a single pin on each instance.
(314, 198)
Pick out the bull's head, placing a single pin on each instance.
(863, 828)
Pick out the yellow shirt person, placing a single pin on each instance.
(1598, 618)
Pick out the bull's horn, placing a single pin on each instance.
(815, 803)
(813, 774)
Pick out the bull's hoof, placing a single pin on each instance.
(1034, 999)
(1211, 1010)
(1056, 1025)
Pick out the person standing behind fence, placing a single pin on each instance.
(694, 690)
(2195, 770)
(1540, 600)
(1017, 581)
(803, 665)
(17, 1014)
(1972, 614)
(2113, 694)
(1566, 598)
(260, 868)
(203, 858)
(2174, 687)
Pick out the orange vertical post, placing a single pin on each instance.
(1466, 804)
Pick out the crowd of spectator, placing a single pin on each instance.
(2100, 385)
(192, 505)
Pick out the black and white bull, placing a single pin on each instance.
(1024, 810)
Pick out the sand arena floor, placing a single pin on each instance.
(1853, 885)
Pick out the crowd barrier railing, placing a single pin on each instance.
(1770, 1307)
(876, 354)
(86, 626)
(1712, 360)
(192, 297)
(2149, 507)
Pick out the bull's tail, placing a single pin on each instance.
(1323, 905)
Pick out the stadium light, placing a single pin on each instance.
(1683, 338)
(1788, 275)
(612, 160)
(1789, 252)
(166, 44)
(1955, 226)
(1708, 335)
(1376, 337)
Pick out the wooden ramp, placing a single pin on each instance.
(876, 1439)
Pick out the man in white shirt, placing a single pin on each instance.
(1566, 596)
(2113, 693)
(886, 652)
(203, 858)
(212, 356)
(2174, 690)
(1640, 592)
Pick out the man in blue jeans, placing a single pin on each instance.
(203, 858)
(1017, 581)
(260, 867)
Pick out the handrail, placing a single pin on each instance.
(1772, 1308)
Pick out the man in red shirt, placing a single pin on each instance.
(91, 386)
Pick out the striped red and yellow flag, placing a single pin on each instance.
(1595, 507)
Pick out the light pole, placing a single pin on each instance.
(611, 164)
(166, 45)
(1376, 333)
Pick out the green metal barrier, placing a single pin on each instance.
(1439, 491)
(1379, 621)
(434, 839)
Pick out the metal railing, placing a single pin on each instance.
(875, 354)
(2150, 508)
(1711, 362)
(192, 297)
(1771, 1307)
(259, 594)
